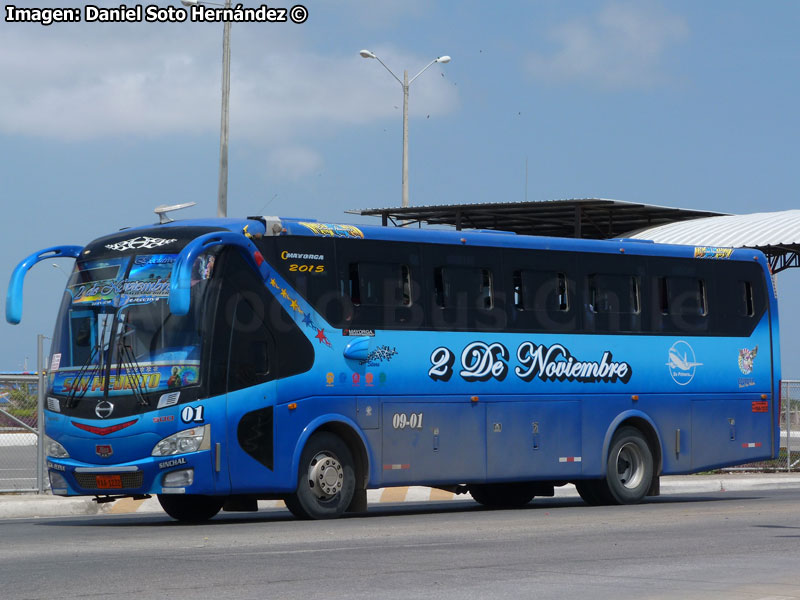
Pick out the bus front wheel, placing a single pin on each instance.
(629, 472)
(326, 480)
(191, 508)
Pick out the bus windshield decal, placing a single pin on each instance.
(481, 362)
(139, 243)
(148, 281)
(149, 377)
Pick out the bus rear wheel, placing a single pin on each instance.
(502, 495)
(191, 508)
(629, 472)
(326, 479)
(594, 492)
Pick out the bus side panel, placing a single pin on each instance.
(433, 442)
(250, 435)
(295, 425)
(533, 440)
(668, 414)
(730, 431)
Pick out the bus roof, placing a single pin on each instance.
(259, 226)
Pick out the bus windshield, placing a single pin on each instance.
(115, 335)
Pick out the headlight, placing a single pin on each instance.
(188, 440)
(53, 449)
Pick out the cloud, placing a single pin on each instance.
(293, 162)
(620, 47)
(94, 81)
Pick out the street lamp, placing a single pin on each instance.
(222, 190)
(405, 83)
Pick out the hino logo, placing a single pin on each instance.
(104, 409)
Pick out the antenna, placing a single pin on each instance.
(162, 211)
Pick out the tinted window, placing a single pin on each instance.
(379, 284)
(682, 305)
(613, 294)
(468, 287)
(463, 290)
(254, 338)
(738, 297)
(682, 296)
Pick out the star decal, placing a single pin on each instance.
(294, 306)
(322, 337)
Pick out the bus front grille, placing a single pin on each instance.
(130, 480)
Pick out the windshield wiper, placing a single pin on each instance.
(125, 356)
(97, 367)
(71, 399)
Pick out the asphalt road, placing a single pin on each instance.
(721, 545)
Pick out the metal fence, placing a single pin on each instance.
(789, 457)
(20, 470)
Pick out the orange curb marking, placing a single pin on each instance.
(437, 494)
(125, 505)
(394, 494)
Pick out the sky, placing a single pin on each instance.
(681, 103)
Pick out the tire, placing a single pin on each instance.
(326, 479)
(502, 495)
(629, 470)
(191, 508)
(594, 492)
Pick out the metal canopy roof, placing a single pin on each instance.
(590, 218)
(776, 234)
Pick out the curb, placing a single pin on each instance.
(26, 506)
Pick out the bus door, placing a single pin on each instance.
(242, 375)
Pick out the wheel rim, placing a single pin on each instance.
(630, 465)
(325, 476)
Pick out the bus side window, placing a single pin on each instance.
(463, 287)
(613, 303)
(613, 294)
(545, 298)
(683, 304)
(251, 342)
(379, 284)
(544, 291)
(746, 305)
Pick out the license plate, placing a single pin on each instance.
(109, 482)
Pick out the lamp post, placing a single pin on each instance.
(222, 190)
(405, 83)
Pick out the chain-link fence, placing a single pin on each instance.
(18, 433)
(789, 458)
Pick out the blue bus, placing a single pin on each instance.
(218, 362)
